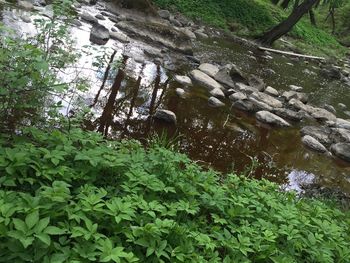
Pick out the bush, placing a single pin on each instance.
(74, 197)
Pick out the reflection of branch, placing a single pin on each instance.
(228, 116)
(104, 78)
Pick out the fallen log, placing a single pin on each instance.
(290, 53)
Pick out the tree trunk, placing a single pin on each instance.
(312, 18)
(285, 26)
(285, 4)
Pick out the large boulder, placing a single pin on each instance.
(271, 119)
(244, 105)
(238, 96)
(313, 144)
(259, 105)
(26, 5)
(340, 135)
(322, 115)
(165, 14)
(341, 150)
(209, 69)
(217, 93)
(204, 80)
(288, 114)
(237, 75)
(288, 95)
(241, 87)
(165, 115)
(271, 91)
(332, 73)
(99, 34)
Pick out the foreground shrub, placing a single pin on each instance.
(77, 198)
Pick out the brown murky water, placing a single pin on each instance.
(225, 139)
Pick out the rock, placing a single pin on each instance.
(99, 34)
(209, 69)
(341, 150)
(342, 106)
(347, 113)
(244, 105)
(153, 52)
(323, 115)
(321, 134)
(259, 105)
(256, 82)
(332, 73)
(341, 123)
(101, 17)
(76, 23)
(313, 144)
(223, 77)
(205, 80)
(340, 135)
(26, 5)
(183, 80)
(189, 33)
(269, 100)
(175, 22)
(157, 33)
(200, 34)
(288, 114)
(193, 59)
(88, 17)
(180, 92)
(237, 75)
(269, 72)
(165, 14)
(115, 19)
(218, 93)
(271, 91)
(330, 108)
(295, 88)
(238, 96)
(245, 88)
(26, 18)
(215, 103)
(288, 95)
(121, 37)
(270, 118)
(165, 115)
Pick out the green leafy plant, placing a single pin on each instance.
(75, 197)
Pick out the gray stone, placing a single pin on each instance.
(165, 14)
(340, 135)
(323, 115)
(295, 88)
(269, 100)
(183, 80)
(297, 104)
(119, 36)
(88, 17)
(99, 34)
(237, 75)
(215, 103)
(256, 82)
(238, 96)
(218, 93)
(342, 106)
(288, 114)
(244, 105)
(26, 18)
(322, 134)
(209, 69)
(271, 91)
(271, 119)
(245, 88)
(259, 105)
(313, 144)
(200, 34)
(288, 95)
(341, 123)
(165, 115)
(341, 150)
(330, 108)
(188, 32)
(76, 23)
(204, 80)
(25, 5)
(223, 77)
(175, 22)
(180, 92)
(332, 73)
(101, 17)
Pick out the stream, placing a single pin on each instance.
(224, 138)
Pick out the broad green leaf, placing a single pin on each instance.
(32, 219)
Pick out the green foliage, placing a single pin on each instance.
(74, 197)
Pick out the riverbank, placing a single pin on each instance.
(250, 19)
